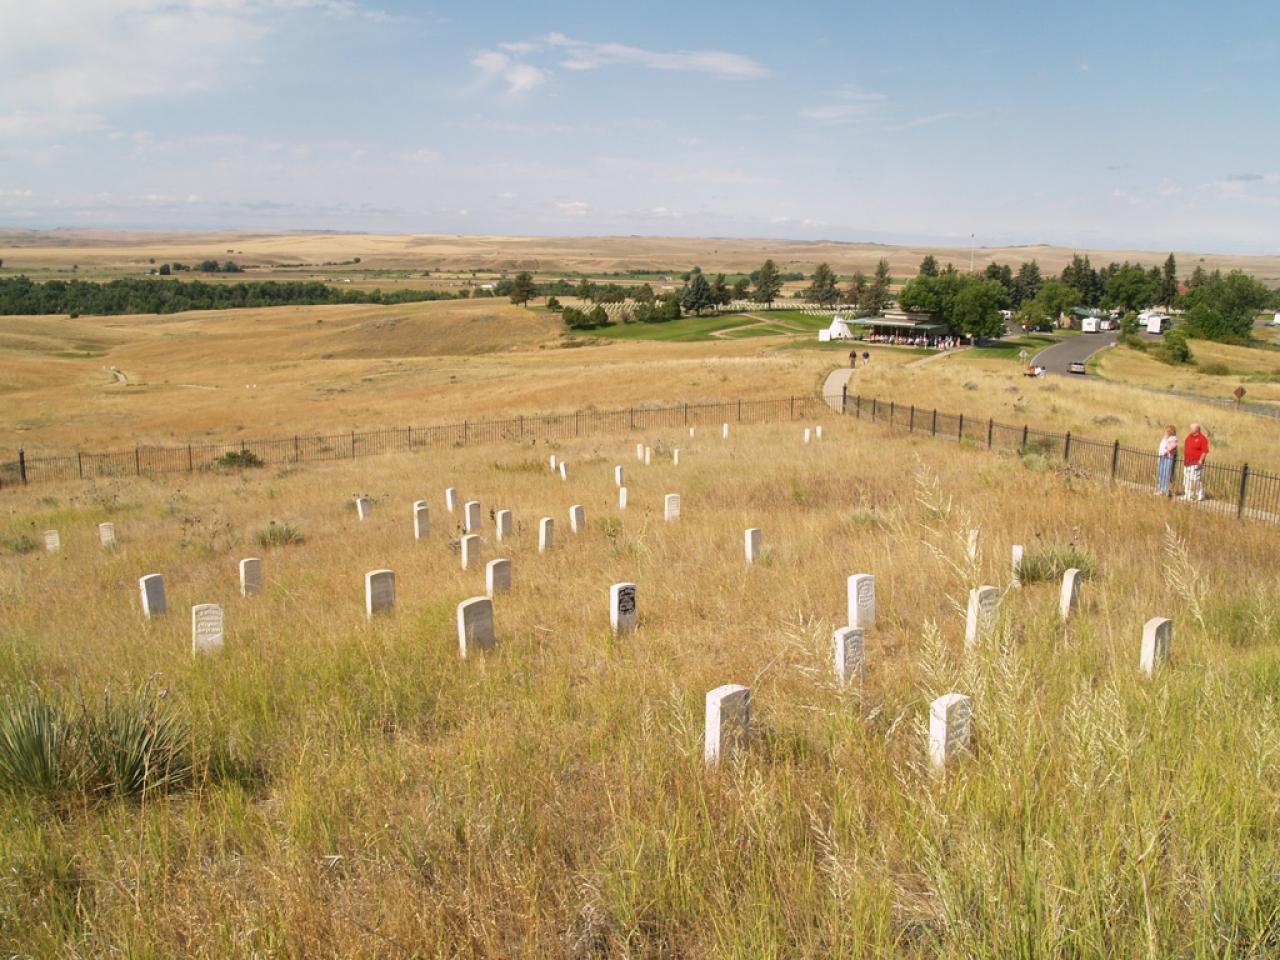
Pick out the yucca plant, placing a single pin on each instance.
(279, 535)
(33, 746)
(1051, 561)
(137, 747)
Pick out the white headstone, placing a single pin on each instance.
(751, 544)
(981, 614)
(546, 534)
(818, 432)
(152, 589)
(671, 507)
(807, 435)
(554, 463)
(52, 542)
(849, 645)
(724, 432)
(497, 577)
(1157, 639)
(622, 498)
(450, 499)
(948, 729)
(675, 456)
(421, 520)
(379, 592)
(622, 607)
(564, 470)
(206, 628)
(648, 455)
(470, 550)
(577, 518)
(639, 451)
(250, 577)
(1015, 564)
(691, 431)
(862, 600)
(107, 534)
(475, 625)
(618, 475)
(364, 508)
(727, 722)
(1070, 596)
(471, 515)
(502, 522)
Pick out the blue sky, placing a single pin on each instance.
(1154, 125)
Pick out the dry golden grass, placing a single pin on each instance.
(374, 795)
(1087, 406)
(106, 250)
(1248, 367)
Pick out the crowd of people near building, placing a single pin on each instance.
(901, 340)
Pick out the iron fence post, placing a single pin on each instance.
(990, 427)
(297, 455)
(1066, 448)
(911, 420)
(1244, 485)
(1025, 428)
(22, 466)
(960, 428)
(857, 404)
(191, 460)
(844, 399)
(137, 462)
(893, 408)
(933, 429)
(80, 464)
(1115, 460)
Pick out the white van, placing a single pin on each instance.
(1089, 325)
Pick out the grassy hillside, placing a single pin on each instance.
(358, 790)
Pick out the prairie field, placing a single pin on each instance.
(339, 787)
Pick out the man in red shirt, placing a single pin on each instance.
(1194, 450)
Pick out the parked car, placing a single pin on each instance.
(1077, 366)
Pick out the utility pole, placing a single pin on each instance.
(971, 236)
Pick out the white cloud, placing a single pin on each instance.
(63, 63)
(519, 77)
(850, 105)
(574, 208)
(582, 55)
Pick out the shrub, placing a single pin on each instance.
(279, 535)
(239, 459)
(1176, 349)
(553, 303)
(18, 543)
(1214, 368)
(1050, 561)
(33, 737)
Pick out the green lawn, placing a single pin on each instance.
(1008, 349)
(768, 330)
(677, 331)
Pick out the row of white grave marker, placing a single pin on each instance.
(816, 432)
(106, 536)
(151, 587)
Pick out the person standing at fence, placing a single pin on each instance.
(853, 358)
(1194, 451)
(1167, 452)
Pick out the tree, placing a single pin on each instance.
(741, 287)
(1081, 275)
(857, 289)
(1198, 277)
(1169, 282)
(1001, 273)
(575, 319)
(697, 295)
(585, 290)
(1176, 347)
(823, 289)
(522, 288)
(1055, 298)
(878, 293)
(1223, 308)
(598, 316)
(1026, 284)
(976, 311)
(929, 266)
(768, 284)
(645, 295)
(553, 303)
(720, 291)
(1131, 288)
(164, 270)
(670, 309)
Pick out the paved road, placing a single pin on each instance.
(1059, 357)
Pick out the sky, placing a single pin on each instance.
(1120, 124)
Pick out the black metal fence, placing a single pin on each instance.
(152, 460)
(1247, 493)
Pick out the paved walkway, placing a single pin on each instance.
(833, 388)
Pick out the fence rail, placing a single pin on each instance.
(153, 460)
(1239, 490)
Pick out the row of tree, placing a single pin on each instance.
(20, 295)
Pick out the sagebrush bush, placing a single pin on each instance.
(1050, 561)
(279, 535)
(239, 460)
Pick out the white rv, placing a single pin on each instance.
(1153, 321)
(1089, 325)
